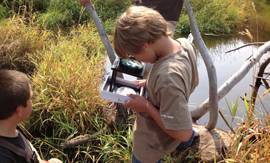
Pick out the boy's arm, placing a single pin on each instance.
(52, 160)
(140, 104)
(182, 136)
(5, 158)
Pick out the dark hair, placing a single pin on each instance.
(14, 92)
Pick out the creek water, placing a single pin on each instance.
(228, 63)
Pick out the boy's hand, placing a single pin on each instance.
(140, 83)
(137, 103)
(85, 2)
(54, 160)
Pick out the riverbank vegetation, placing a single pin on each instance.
(56, 43)
(218, 17)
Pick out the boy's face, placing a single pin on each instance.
(146, 55)
(28, 109)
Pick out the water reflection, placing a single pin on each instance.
(226, 65)
(260, 23)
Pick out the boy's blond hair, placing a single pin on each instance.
(135, 27)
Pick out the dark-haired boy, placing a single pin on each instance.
(15, 107)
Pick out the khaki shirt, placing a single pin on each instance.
(170, 83)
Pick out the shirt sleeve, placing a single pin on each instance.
(4, 157)
(174, 103)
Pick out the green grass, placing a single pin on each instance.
(3, 12)
(68, 78)
(67, 103)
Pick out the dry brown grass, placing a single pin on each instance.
(18, 43)
(251, 142)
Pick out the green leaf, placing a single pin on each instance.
(234, 108)
(246, 104)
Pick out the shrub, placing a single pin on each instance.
(18, 44)
(55, 19)
(40, 5)
(61, 13)
(30, 5)
(66, 90)
(214, 16)
(110, 9)
(3, 12)
(65, 13)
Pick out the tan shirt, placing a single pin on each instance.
(170, 83)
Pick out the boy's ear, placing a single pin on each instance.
(146, 45)
(19, 111)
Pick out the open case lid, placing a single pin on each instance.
(129, 66)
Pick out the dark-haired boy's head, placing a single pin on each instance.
(15, 91)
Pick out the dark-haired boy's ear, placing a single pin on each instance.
(19, 111)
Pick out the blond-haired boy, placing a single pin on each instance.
(163, 122)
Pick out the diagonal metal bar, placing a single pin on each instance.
(102, 33)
